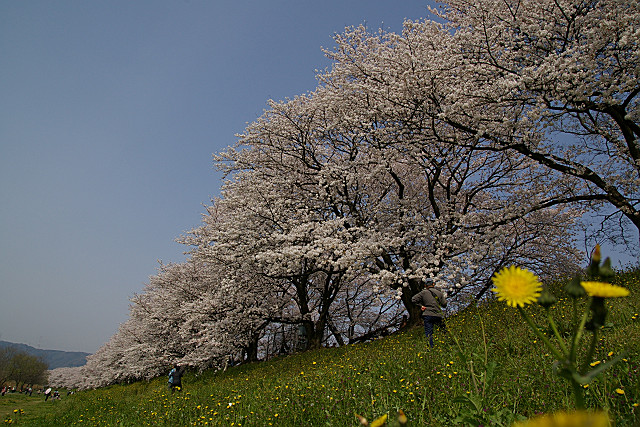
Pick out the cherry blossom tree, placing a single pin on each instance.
(569, 67)
(554, 81)
(404, 208)
(68, 378)
(287, 242)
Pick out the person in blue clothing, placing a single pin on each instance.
(431, 301)
(175, 378)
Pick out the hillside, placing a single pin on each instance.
(488, 369)
(53, 358)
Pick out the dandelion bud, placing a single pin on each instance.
(574, 288)
(402, 418)
(547, 299)
(362, 420)
(596, 255)
(594, 266)
(605, 270)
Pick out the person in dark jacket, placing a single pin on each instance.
(175, 378)
(430, 301)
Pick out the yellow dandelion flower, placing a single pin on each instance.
(567, 419)
(619, 391)
(516, 286)
(380, 421)
(604, 290)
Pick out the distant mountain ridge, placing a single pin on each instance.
(53, 358)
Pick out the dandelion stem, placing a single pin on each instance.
(592, 347)
(540, 335)
(574, 319)
(469, 363)
(578, 393)
(561, 343)
(486, 359)
(577, 336)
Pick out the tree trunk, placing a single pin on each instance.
(251, 350)
(315, 332)
(336, 334)
(415, 314)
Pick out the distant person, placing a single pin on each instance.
(430, 301)
(47, 393)
(175, 378)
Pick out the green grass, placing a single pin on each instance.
(25, 407)
(496, 372)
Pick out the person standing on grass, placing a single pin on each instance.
(431, 301)
(175, 378)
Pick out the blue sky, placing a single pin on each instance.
(109, 114)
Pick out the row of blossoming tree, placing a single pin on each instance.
(446, 152)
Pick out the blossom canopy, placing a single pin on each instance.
(517, 286)
(604, 290)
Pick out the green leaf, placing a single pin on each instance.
(586, 378)
(490, 369)
(605, 270)
(473, 402)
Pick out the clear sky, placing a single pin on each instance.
(109, 114)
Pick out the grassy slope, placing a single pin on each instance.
(498, 369)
